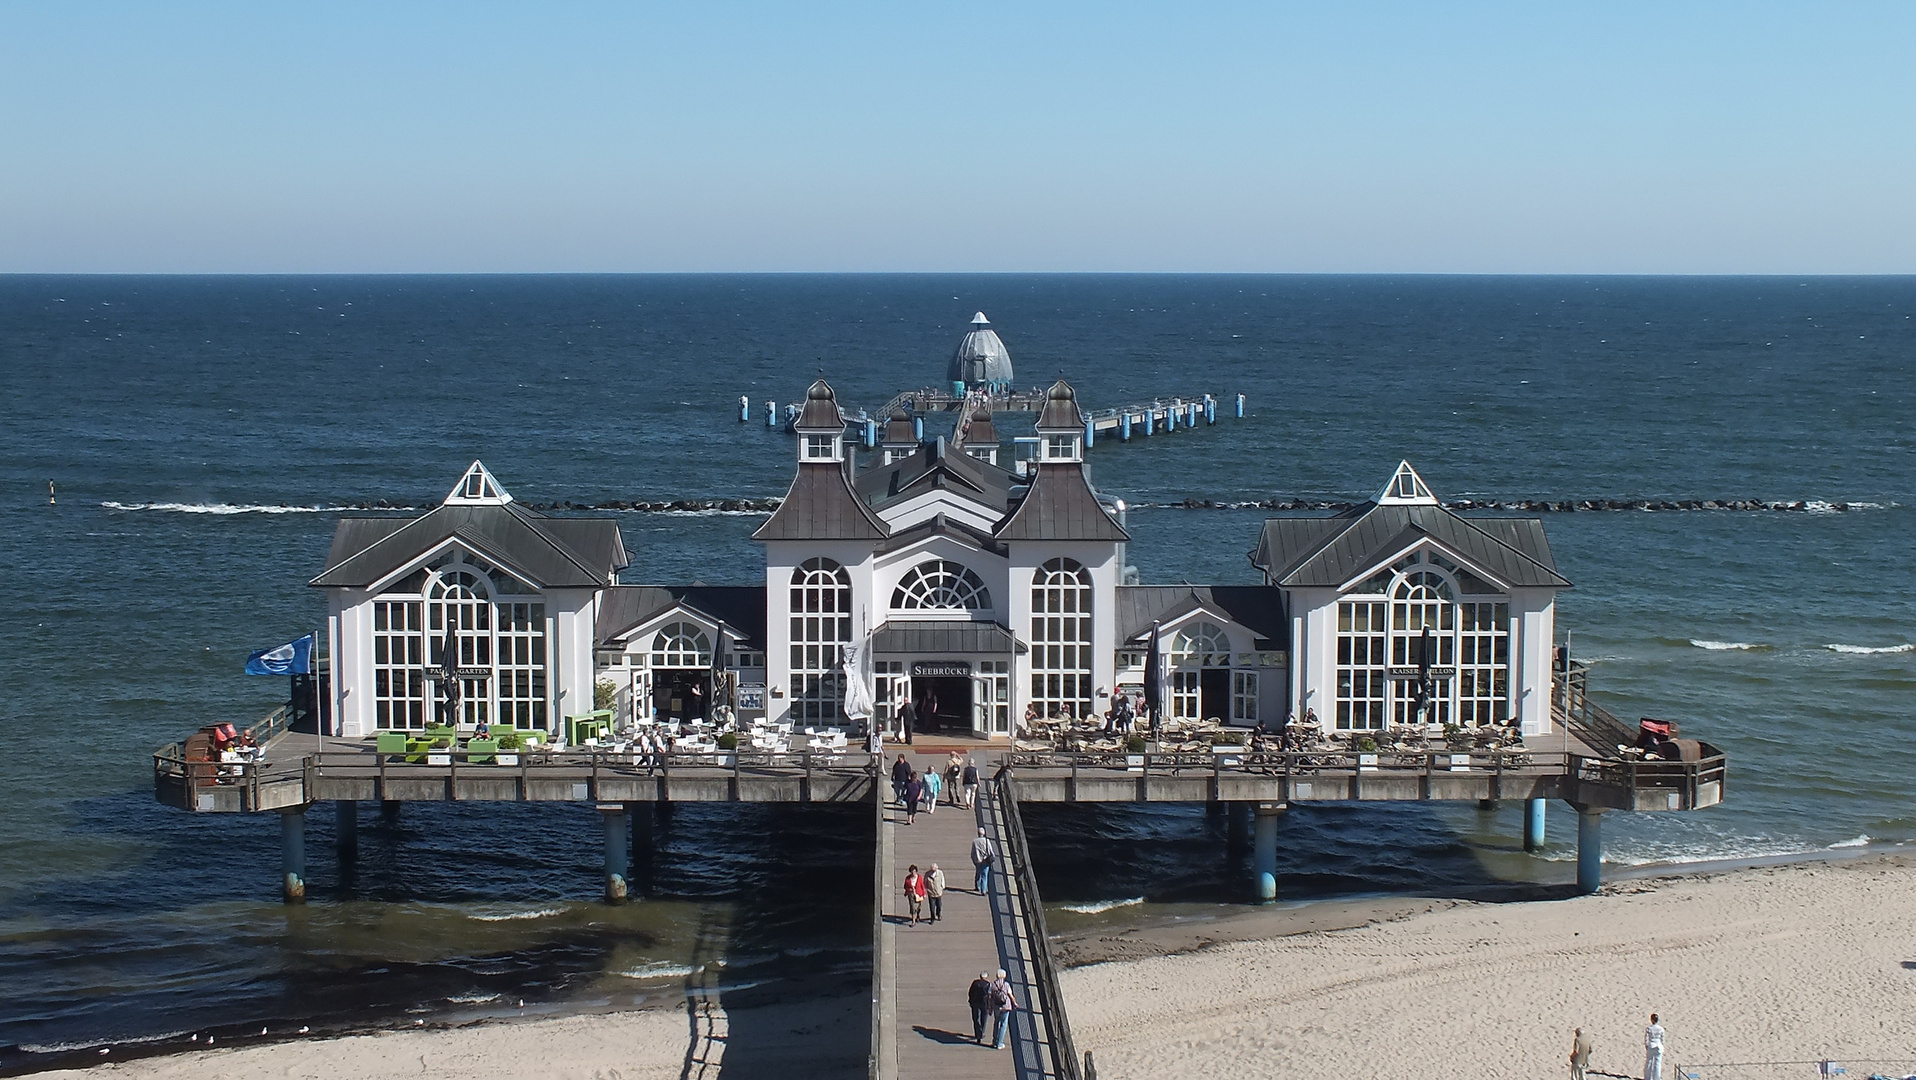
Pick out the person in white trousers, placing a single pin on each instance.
(1653, 1050)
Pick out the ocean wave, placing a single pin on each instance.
(130, 1040)
(660, 970)
(472, 999)
(512, 916)
(1728, 646)
(1860, 841)
(228, 509)
(1098, 906)
(1868, 650)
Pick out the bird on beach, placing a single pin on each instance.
(304, 1029)
(262, 1031)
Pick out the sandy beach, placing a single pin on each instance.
(1778, 963)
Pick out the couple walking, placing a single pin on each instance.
(1581, 1047)
(992, 1004)
(913, 789)
(922, 889)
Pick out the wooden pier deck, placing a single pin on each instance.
(922, 1021)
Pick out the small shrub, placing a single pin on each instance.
(441, 744)
(605, 693)
(511, 740)
(1367, 745)
(728, 741)
(1228, 738)
(1135, 744)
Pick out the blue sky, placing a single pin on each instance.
(1440, 137)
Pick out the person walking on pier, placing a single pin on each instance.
(1002, 1006)
(970, 777)
(900, 776)
(935, 892)
(933, 785)
(1579, 1054)
(954, 783)
(914, 793)
(982, 856)
(914, 893)
(1653, 1050)
(908, 719)
(979, 996)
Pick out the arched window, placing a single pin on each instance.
(939, 585)
(498, 640)
(1420, 657)
(821, 625)
(1203, 645)
(1061, 638)
(681, 645)
(459, 613)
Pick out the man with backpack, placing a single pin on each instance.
(982, 855)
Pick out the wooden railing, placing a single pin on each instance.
(1064, 1053)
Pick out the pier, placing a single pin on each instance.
(1156, 417)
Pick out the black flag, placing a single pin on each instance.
(1153, 685)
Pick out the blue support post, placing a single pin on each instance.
(1265, 856)
(1240, 406)
(1090, 432)
(1533, 824)
(918, 428)
(1171, 418)
(1589, 849)
(292, 854)
(744, 408)
(771, 413)
(1124, 428)
(1194, 415)
(871, 433)
(345, 829)
(616, 861)
(1210, 409)
(1150, 420)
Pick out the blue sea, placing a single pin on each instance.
(202, 432)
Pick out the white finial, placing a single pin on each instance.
(1406, 488)
(980, 320)
(477, 488)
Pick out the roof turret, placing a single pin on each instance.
(1061, 411)
(821, 411)
(981, 358)
(898, 430)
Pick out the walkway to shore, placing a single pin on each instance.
(936, 963)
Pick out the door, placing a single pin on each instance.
(1214, 693)
(944, 703)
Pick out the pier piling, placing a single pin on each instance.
(1533, 824)
(616, 824)
(1265, 856)
(744, 408)
(292, 854)
(1589, 849)
(1124, 428)
(1240, 406)
(345, 829)
(1090, 433)
(771, 413)
(1150, 419)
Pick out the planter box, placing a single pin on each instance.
(439, 757)
(1367, 762)
(1134, 763)
(507, 758)
(1460, 763)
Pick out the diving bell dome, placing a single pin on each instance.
(981, 358)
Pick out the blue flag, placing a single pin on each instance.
(292, 658)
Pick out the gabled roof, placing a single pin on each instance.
(1257, 608)
(740, 608)
(1060, 505)
(1331, 552)
(821, 505)
(547, 552)
(932, 467)
(899, 430)
(940, 525)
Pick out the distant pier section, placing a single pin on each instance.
(979, 381)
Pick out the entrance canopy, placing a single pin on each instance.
(936, 637)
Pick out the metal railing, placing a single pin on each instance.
(1064, 1053)
(1286, 763)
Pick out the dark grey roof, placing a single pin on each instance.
(1328, 552)
(740, 607)
(821, 410)
(932, 467)
(1060, 505)
(1257, 608)
(820, 505)
(940, 525)
(945, 637)
(547, 552)
(1060, 412)
(899, 430)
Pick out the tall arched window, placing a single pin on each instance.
(940, 585)
(1398, 660)
(1061, 638)
(821, 624)
(681, 645)
(498, 633)
(459, 612)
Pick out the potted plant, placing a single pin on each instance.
(1228, 742)
(416, 751)
(1134, 748)
(727, 744)
(439, 752)
(481, 751)
(1366, 748)
(509, 743)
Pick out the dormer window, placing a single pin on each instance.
(821, 448)
(1061, 448)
